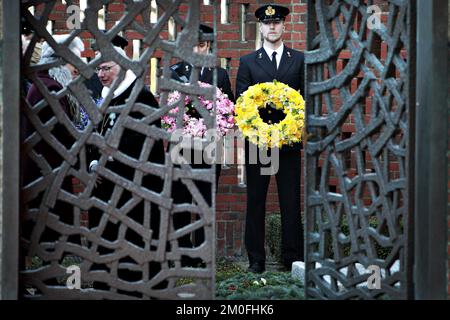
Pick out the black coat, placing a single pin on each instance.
(257, 67)
(182, 72)
(131, 144)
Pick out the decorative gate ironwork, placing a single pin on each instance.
(52, 236)
(366, 218)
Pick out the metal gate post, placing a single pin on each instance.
(430, 272)
(11, 145)
(357, 202)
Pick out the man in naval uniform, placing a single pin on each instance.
(274, 61)
(182, 72)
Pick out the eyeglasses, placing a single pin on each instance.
(105, 68)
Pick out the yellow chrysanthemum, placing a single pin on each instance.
(279, 96)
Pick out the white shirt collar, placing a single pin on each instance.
(279, 51)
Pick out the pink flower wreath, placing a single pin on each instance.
(193, 125)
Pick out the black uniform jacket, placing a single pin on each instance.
(257, 67)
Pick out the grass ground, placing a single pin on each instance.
(234, 282)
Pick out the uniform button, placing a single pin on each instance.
(270, 111)
(270, 121)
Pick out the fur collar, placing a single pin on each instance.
(124, 85)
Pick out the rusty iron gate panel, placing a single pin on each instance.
(145, 243)
(359, 183)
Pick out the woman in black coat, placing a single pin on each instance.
(131, 144)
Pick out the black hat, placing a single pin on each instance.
(26, 26)
(118, 41)
(271, 12)
(206, 30)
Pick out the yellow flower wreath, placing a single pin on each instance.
(279, 96)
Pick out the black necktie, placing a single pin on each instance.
(274, 59)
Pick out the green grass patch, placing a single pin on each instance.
(233, 282)
(265, 286)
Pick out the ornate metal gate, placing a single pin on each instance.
(358, 209)
(53, 236)
(359, 183)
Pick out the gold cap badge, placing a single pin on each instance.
(270, 11)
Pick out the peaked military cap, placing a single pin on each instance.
(271, 12)
(120, 42)
(206, 29)
(117, 41)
